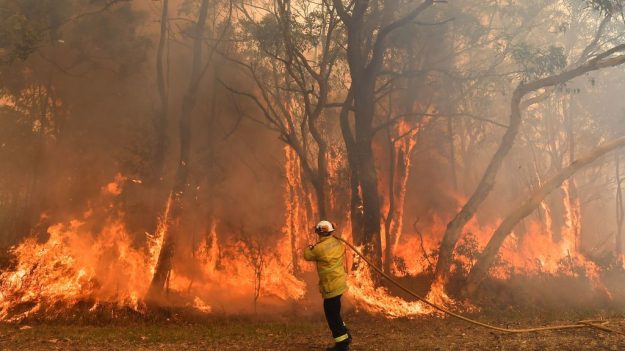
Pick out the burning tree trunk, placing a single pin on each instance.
(355, 208)
(390, 216)
(361, 158)
(154, 176)
(574, 203)
(455, 226)
(570, 231)
(483, 264)
(400, 152)
(164, 264)
(365, 62)
(296, 201)
(566, 206)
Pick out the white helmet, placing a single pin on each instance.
(324, 228)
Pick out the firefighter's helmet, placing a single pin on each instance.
(324, 228)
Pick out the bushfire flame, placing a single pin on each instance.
(81, 266)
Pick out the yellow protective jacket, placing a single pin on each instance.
(329, 254)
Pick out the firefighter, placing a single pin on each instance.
(329, 254)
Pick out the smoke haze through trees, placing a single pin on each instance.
(178, 152)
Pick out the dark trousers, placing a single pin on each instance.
(332, 309)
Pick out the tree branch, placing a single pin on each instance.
(479, 270)
(379, 46)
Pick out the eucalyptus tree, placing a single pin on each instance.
(539, 77)
(180, 186)
(289, 53)
(368, 26)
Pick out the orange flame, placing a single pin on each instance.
(78, 266)
(74, 266)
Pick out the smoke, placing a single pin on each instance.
(79, 137)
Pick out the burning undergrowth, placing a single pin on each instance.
(76, 270)
(83, 271)
(72, 268)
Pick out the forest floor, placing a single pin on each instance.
(304, 333)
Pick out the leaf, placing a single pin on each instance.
(537, 62)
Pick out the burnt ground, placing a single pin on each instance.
(303, 333)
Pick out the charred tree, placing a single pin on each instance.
(365, 58)
(355, 207)
(484, 262)
(486, 184)
(164, 263)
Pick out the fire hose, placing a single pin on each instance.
(596, 324)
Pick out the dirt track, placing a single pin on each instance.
(370, 333)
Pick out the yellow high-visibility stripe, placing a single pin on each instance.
(341, 338)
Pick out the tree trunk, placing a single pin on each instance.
(388, 223)
(399, 171)
(370, 204)
(160, 121)
(365, 202)
(483, 264)
(452, 153)
(153, 179)
(454, 228)
(320, 177)
(356, 214)
(365, 60)
(298, 211)
(620, 212)
(456, 225)
(363, 83)
(574, 204)
(320, 194)
(164, 263)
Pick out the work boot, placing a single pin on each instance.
(339, 346)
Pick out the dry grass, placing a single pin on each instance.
(303, 333)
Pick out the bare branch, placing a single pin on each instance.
(595, 41)
(342, 12)
(379, 47)
(266, 113)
